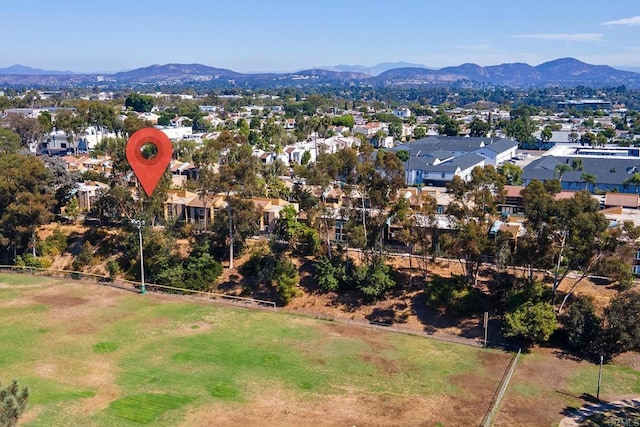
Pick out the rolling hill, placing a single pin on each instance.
(566, 72)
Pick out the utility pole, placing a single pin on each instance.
(139, 223)
(599, 379)
(486, 326)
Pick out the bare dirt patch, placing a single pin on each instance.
(279, 408)
(100, 376)
(67, 229)
(630, 359)
(94, 374)
(60, 301)
(387, 366)
(31, 414)
(370, 336)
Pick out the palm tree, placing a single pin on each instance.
(561, 169)
(588, 178)
(634, 180)
(576, 165)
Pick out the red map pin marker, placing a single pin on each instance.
(149, 171)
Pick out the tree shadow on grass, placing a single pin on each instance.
(396, 314)
(381, 316)
(563, 353)
(594, 412)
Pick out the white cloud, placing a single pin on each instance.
(634, 20)
(575, 37)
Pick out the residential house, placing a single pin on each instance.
(631, 201)
(496, 151)
(201, 211)
(99, 164)
(184, 169)
(436, 160)
(87, 192)
(341, 130)
(270, 212)
(81, 164)
(407, 130)
(513, 201)
(290, 124)
(55, 143)
(516, 229)
(76, 163)
(295, 152)
(175, 204)
(264, 157)
(198, 211)
(149, 117)
(428, 170)
(368, 129)
(177, 132)
(635, 267)
(191, 208)
(402, 112)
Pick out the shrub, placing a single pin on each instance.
(372, 278)
(84, 258)
(329, 275)
(28, 260)
(267, 269)
(466, 301)
(531, 322)
(524, 292)
(309, 240)
(286, 280)
(377, 280)
(201, 270)
(582, 326)
(454, 293)
(260, 264)
(53, 245)
(113, 268)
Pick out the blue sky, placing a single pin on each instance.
(289, 35)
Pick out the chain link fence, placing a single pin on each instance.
(137, 286)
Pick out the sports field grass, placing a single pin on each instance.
(98, 356)
(94, 355)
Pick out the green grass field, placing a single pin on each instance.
(100, 356)
(97, 356)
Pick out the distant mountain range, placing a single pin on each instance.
(565, 72)
(376, 69)
(23, 70)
